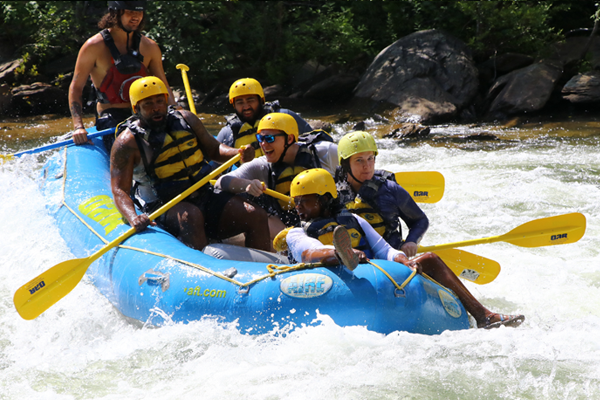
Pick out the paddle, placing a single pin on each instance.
(270, 192)
(423, 186)
(39, 294)
(186, 83)
(470, 266)
(92, 134)
(561, 229)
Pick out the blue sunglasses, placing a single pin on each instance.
(268, 138)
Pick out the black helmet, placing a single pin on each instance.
(126, 5)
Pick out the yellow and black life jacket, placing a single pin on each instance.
(245, 133)
(366, 205)
(322, 230)
(172, 157)
(281, 174)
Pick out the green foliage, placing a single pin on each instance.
(224, 40)
(507, 26)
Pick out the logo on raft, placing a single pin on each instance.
(102, 209)
(197, 291)
(418, 193)
(37, 287)
(450, 304)
(306, 286)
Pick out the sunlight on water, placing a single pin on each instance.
(84, 348)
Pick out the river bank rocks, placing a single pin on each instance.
(428, 75)
(425, 78)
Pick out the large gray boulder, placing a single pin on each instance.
(429, 75)
(583, 88)
(524, 90)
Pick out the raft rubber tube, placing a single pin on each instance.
(154, 278)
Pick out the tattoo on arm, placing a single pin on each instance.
(121, 155)
(76, 109)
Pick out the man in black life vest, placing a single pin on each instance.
(248, 99)
(114, 58)
(165, 153)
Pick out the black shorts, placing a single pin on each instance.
(110, 119)
(213, 210)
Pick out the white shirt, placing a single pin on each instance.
(298, 241)
(259, 167)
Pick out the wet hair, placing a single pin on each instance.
(327, 202)
(340, 174)
(345, 164)
(113, 18)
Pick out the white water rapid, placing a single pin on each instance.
(83, 348)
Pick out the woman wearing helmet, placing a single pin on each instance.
(375, 195)
(316, 202)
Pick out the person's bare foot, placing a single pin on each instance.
(497, 320)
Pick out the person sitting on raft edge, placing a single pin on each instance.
(375, 195)
(167, 151)
(248, 100)
(316, 202)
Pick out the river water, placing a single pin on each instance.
(83, 348)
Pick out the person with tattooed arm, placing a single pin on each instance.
(114, 58)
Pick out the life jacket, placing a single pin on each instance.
(172, 158)
(365, 204)
(281, 174)
(126, 68)
(245, 133)
(322, 230)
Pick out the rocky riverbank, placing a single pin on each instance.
(427, 77)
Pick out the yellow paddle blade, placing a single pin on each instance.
(470, 266)
(423, 186)
(6, 157)
(56, 283)
(561, 229)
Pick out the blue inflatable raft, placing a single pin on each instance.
(154, 278)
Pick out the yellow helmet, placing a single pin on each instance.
(355, 142)
(279, 121)
(313, 181)
(145, 87)
(245, 86)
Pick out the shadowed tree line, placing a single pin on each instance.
(270, 40)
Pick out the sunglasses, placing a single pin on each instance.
(268, 138)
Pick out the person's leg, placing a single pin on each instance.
(186, 222)
(241, 216)
(433, 266)
(275, 226)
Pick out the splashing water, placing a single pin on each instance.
(83, 348)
